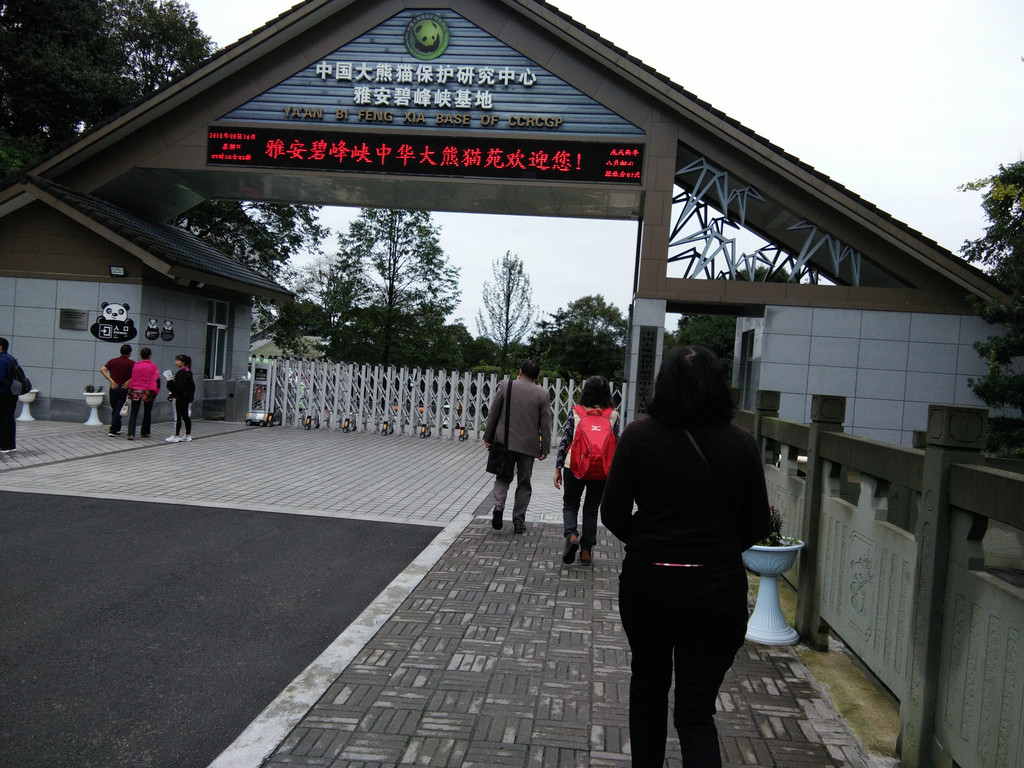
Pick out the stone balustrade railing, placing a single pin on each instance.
(914, 558)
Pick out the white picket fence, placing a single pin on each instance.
(349, 397)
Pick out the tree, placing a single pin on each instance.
(451, 349)
(262, 236)
(67, 65)
(586, 338)
(328, 292)
(161, 41)
(1001, 250)
(507, 301)
(411, 287)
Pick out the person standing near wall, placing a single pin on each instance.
(118, 371)
(529, 438)
(698, 485)
(8, 400)
(145, 385)
(183, 392)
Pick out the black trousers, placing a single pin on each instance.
(572, 493)
(181, 415)
(694, 619)
(117, 398)
(133, 416)
(8, 424)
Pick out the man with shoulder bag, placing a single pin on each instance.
(519, 418)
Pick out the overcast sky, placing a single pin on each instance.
(900, 101)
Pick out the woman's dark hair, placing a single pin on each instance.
(185, 360)
(145, 352)
(596, 393)
(691, 389)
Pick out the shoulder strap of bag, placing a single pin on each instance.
(701, 454)
(714, 475)
(508, 410)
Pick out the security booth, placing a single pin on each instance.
(261, 411)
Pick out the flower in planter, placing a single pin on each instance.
(89, 388)
(775, 537)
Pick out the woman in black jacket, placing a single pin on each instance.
(183, 392)
(698, 485)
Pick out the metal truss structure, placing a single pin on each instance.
(703, 242)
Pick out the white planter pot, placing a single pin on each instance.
(26, 401)
(767, 625)
(94, 400)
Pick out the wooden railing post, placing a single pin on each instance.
(766, 405)
(828, 412)
(956, 435)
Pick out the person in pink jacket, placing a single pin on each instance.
(144, 386)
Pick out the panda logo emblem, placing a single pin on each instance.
(113, 324)
(427, 36)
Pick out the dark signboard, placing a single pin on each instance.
(463, 156)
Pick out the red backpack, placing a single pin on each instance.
(593, 444)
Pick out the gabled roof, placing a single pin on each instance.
(172, 251)
(165, 186)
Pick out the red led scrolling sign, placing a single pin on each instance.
(484, 157)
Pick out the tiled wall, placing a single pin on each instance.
(890, 365)
(61, 362)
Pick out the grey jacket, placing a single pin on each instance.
(529, 428)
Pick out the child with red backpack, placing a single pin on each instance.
(586, 449)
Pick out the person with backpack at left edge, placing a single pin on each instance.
(595, 399)
(8, 400)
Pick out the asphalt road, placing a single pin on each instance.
(151, 635)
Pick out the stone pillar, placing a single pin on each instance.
(955, 435)
(646, 335)
(828, 412)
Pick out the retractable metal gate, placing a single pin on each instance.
(315, 394)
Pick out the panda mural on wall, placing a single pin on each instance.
(113, 324)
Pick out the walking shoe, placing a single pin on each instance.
(131, 437)
(113, 434)
(173, 439)
(8, 450)
(187, 439)
(585, 557)
(572, 543)
(519, 527)
(496, 521)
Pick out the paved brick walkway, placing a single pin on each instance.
(486, 652)
(502, 656)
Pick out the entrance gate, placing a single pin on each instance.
(315, 394)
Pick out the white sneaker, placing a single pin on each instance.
(186, 439)
(173, 439)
